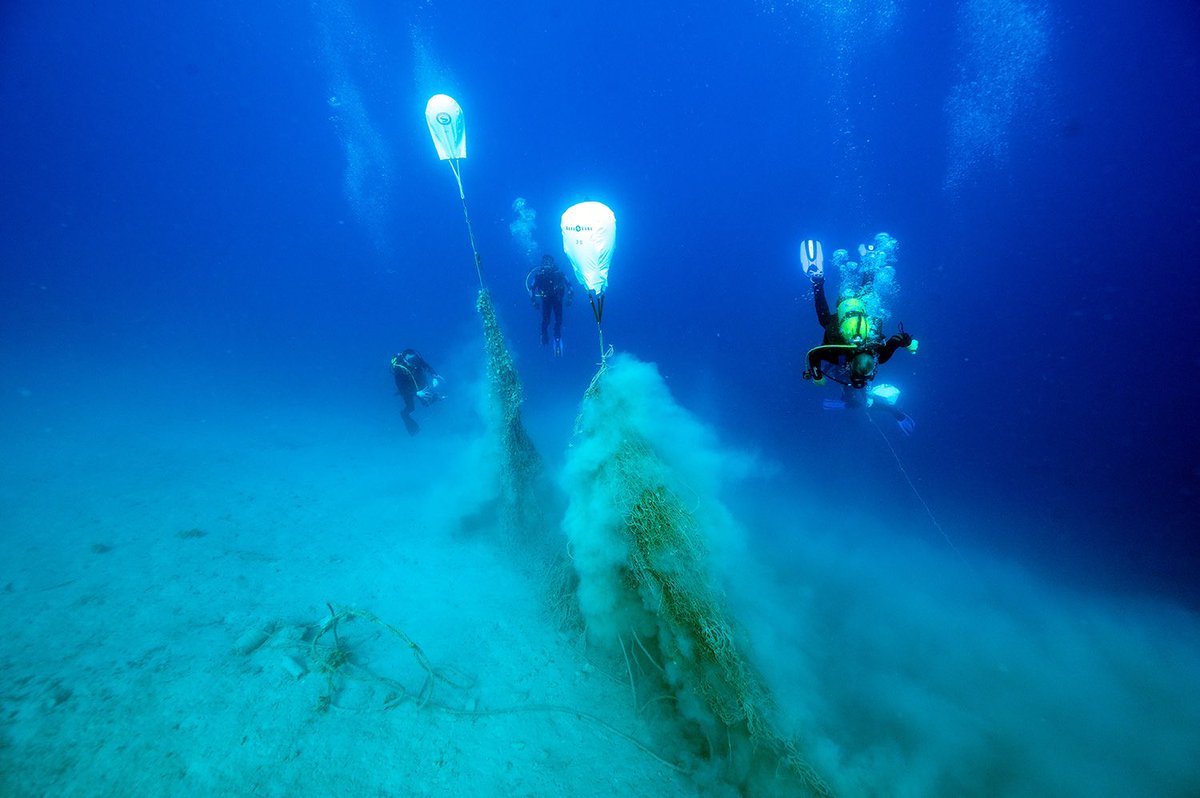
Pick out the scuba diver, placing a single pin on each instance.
(548, 283)
(852, 348)
(414, 378)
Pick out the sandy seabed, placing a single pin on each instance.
(171, 557)
(140, 554)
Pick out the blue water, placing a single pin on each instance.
(244, 201)
(196, 156)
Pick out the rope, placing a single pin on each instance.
(467, 216)
(598, 312)
(338, 661)
(917, 493)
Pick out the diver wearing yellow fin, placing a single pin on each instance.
(852, 348)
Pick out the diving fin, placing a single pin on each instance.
(887, 392)
(811, 259)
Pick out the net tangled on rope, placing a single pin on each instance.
(670, 597)
(521, 466)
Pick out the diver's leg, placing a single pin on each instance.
(410, 423)
(854, 397)
(557, 319)
(545, 321)
(903, 420)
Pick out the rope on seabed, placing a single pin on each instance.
(336, 659)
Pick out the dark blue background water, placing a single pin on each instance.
(174, 196)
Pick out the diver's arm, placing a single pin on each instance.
(431, 379)
(424, 366)
(889, 347)
(435, 378)
(823, 314)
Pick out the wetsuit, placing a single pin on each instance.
(551, 285)
(883, 350)
(835, 362)
(410, 378)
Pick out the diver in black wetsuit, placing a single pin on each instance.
(548, 283)
(415, 379)
(851, 327)
(851, 351)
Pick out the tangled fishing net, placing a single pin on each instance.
(645, 581)
(521, 467)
